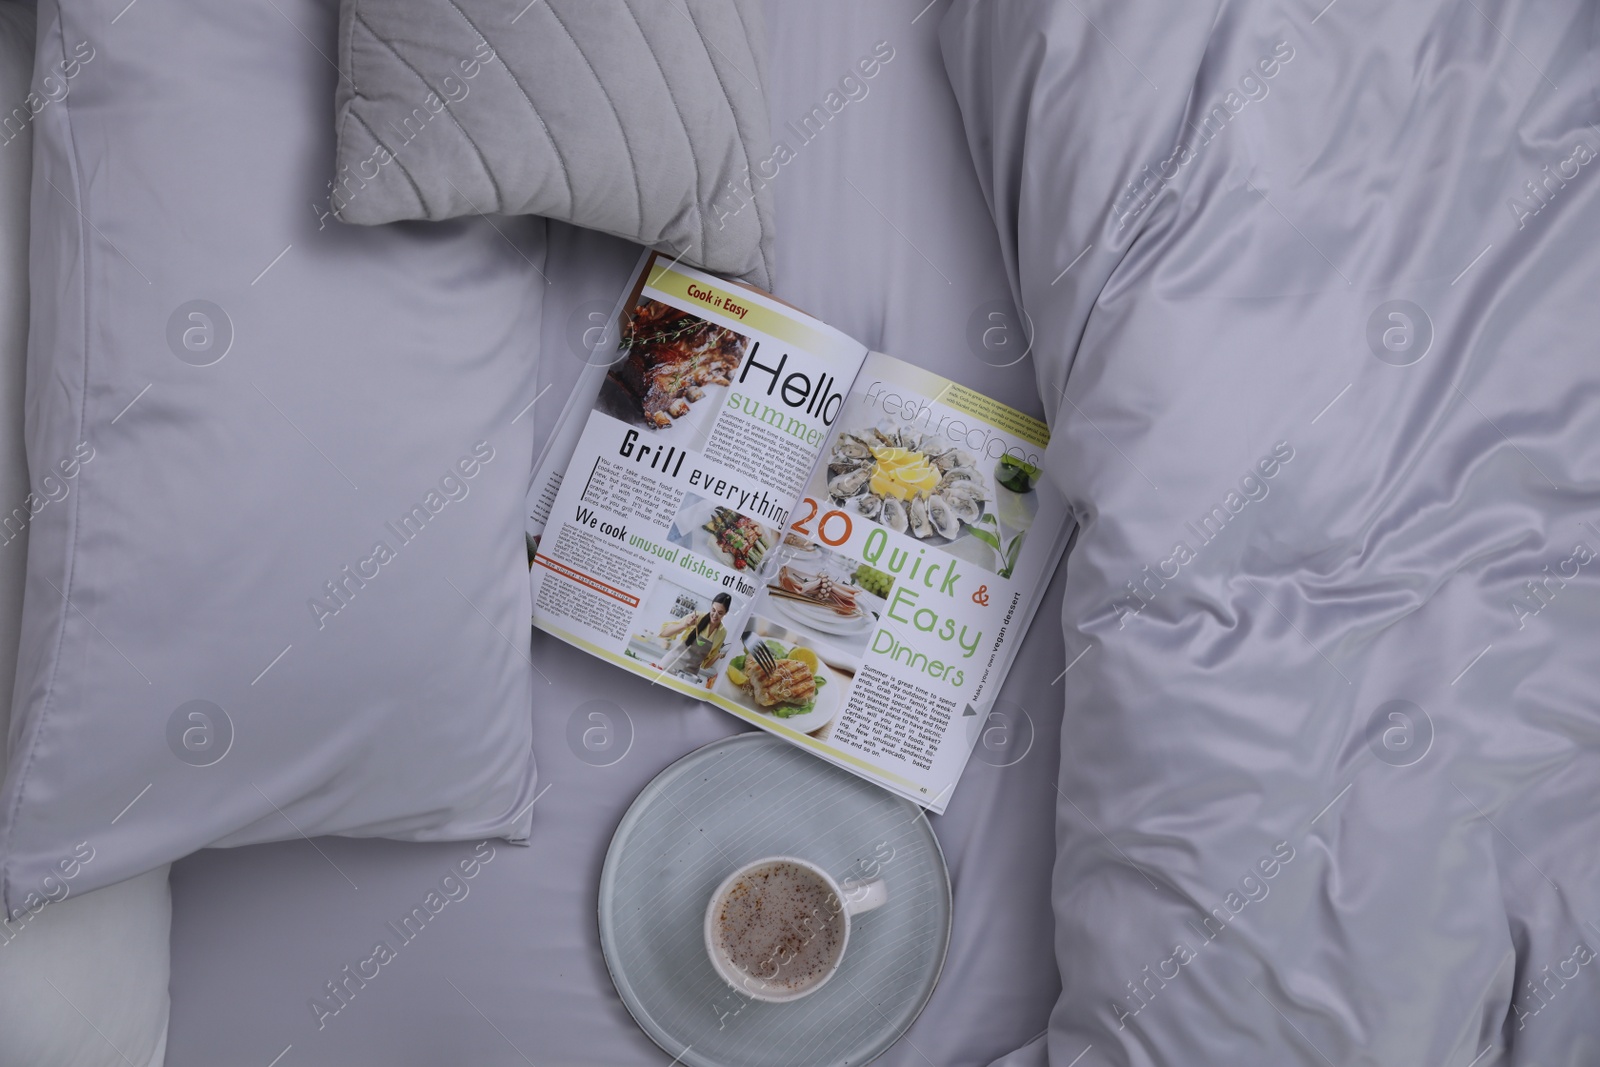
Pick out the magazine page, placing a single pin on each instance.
(599, 341)
(654, 514)
(904, 583)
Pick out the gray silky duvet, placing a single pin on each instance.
(1313, 291)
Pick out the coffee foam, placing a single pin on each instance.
(781, 926)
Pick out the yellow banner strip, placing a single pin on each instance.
(742, 309)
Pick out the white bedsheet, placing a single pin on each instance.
(883, 232)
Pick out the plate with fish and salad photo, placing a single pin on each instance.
(800, 691)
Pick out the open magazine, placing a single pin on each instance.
(743, 504)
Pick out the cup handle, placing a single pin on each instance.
(865, 896)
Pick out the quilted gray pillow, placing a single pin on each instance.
(642, 118)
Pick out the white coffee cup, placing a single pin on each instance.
(841, 905)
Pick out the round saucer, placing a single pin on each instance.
(736, 800)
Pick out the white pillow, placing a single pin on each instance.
(282, 588)
(83, 982)
(16, 169)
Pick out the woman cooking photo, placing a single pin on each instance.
(695, 641)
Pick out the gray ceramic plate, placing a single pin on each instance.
(737, 800)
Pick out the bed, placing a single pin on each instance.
(1306, 774)
(899, 251)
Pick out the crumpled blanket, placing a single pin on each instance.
(1312, 293)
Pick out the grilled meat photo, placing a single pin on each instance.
(789, 680)
(670, 356)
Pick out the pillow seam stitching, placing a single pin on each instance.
(683, 123)
(415, 190)
(566, 172)
(494, 184)
(355, 94)
(743, 147)
(766, 95)
(633, 159)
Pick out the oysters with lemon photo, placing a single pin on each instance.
(913, 483)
